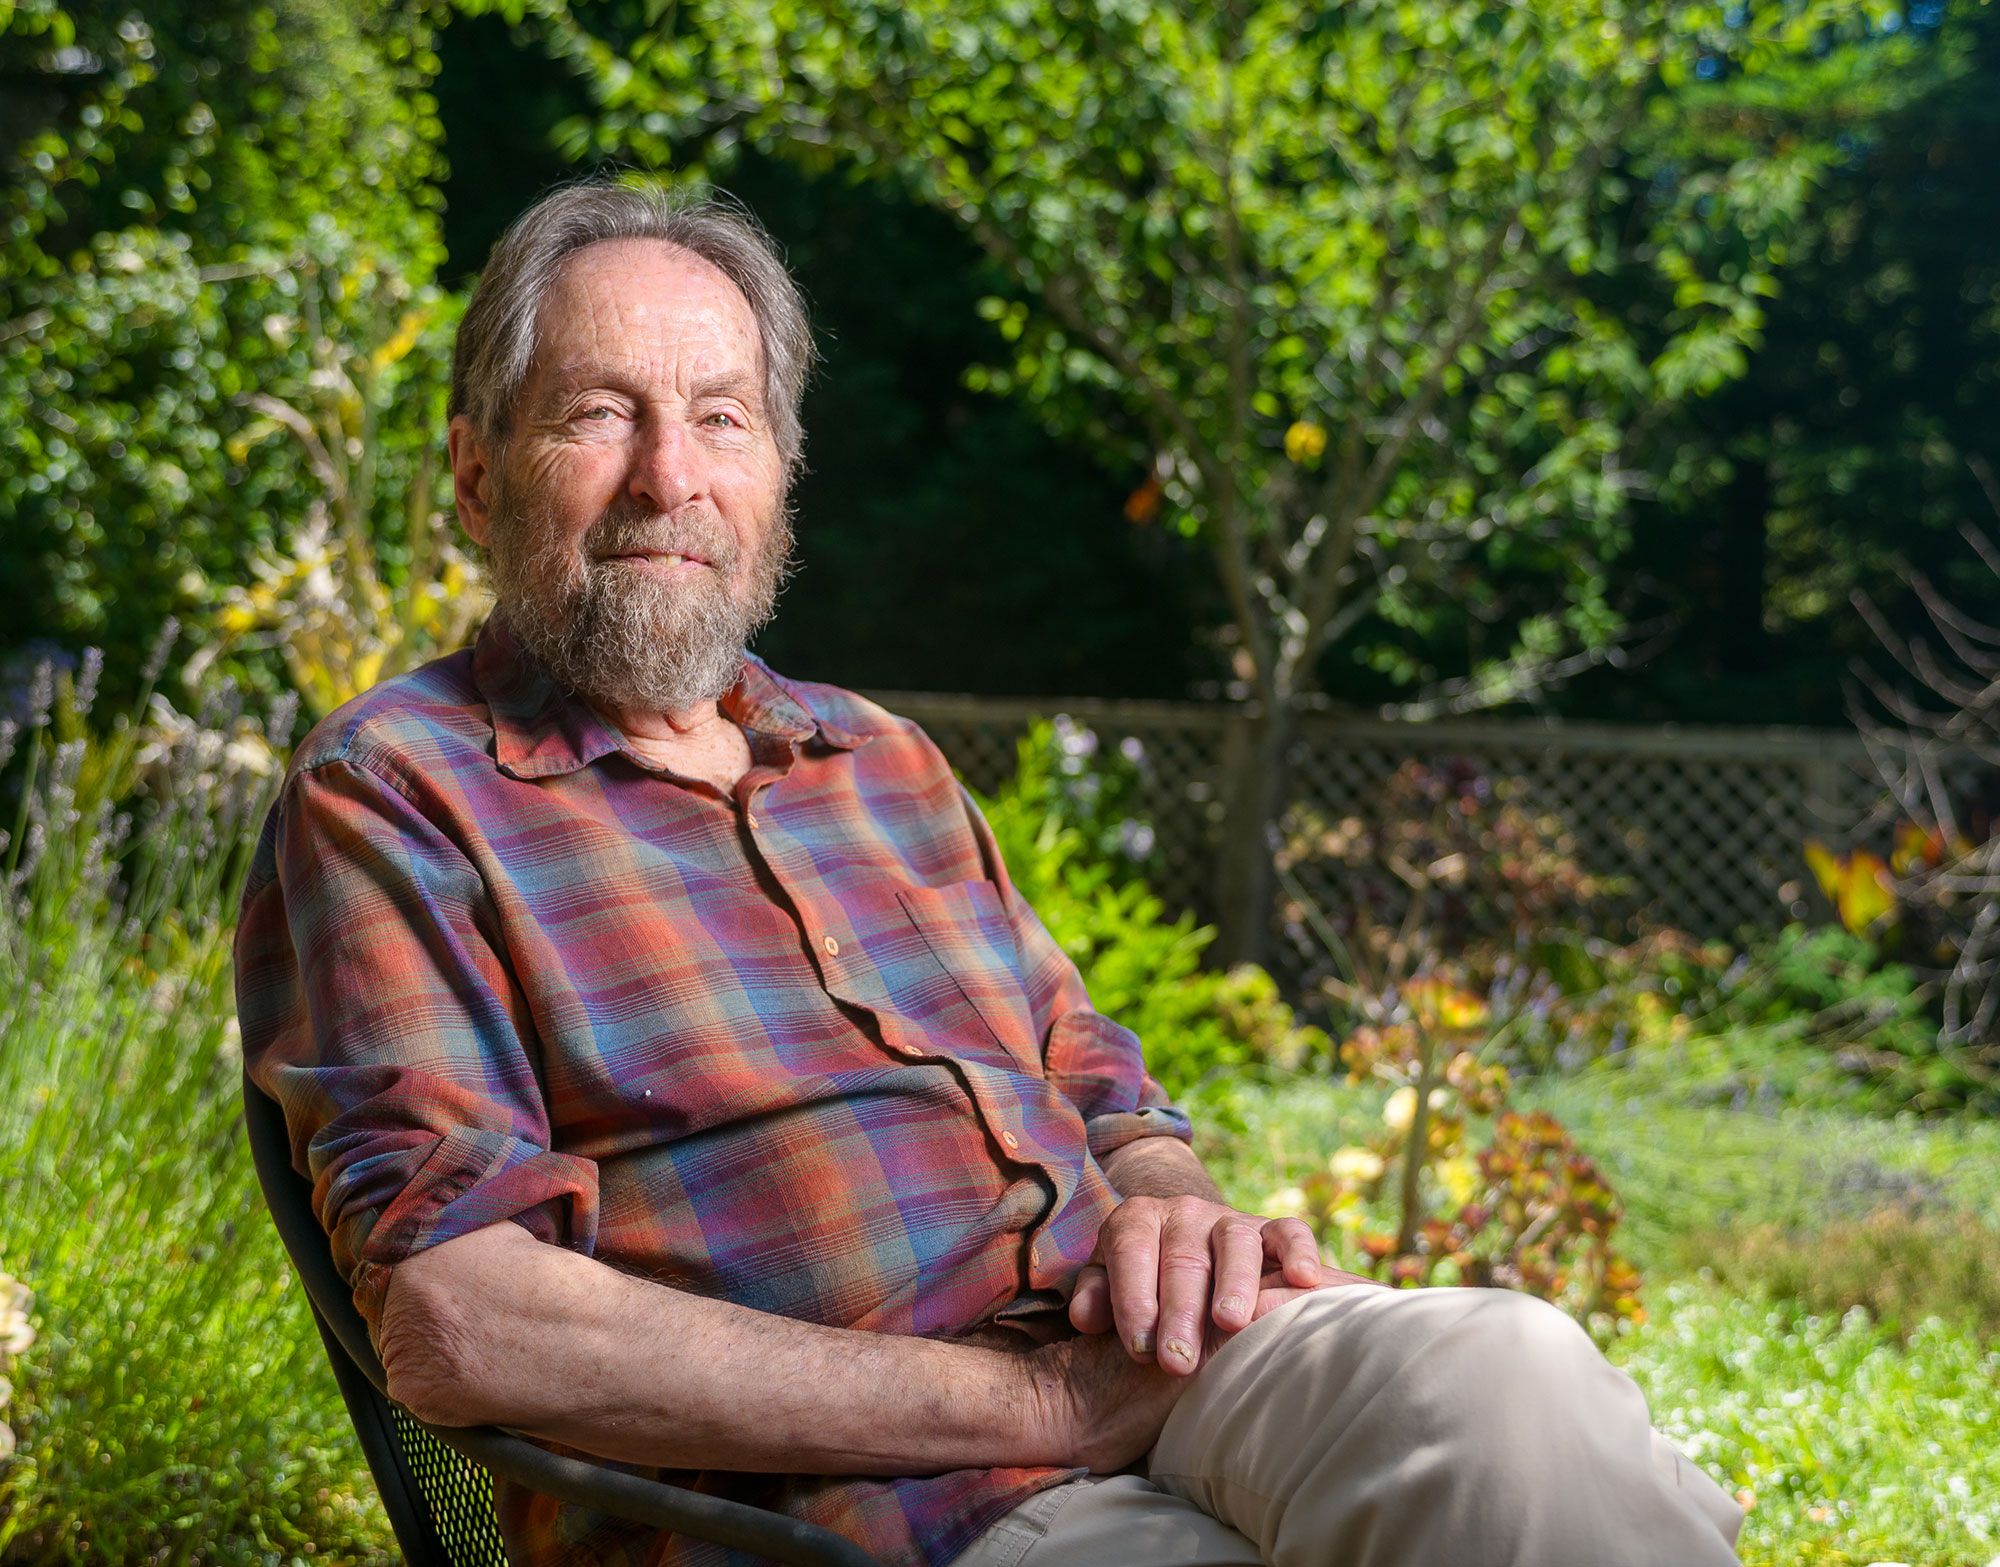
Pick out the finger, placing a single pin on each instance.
(1290, 1244)
(1090, 1301)
(1130, 1251)
(1276, 1292)
(1186, 1270)
(1334, 1276)
(1238, 1249)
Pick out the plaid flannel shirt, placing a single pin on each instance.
(802, 1048)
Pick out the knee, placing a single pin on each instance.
(1521, 1373)
(1508, 1335)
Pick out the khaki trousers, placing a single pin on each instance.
(1362, 1427)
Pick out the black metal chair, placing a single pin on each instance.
(436, 1481)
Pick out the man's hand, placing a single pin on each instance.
(1095, 1406)
(1177, 1275)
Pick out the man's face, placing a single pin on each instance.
(636, 517)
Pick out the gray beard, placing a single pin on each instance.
(611, 633)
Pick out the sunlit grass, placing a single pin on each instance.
(1850, 1445)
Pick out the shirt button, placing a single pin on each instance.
(1010, 1139)
(750, 821)
(832, 946)
(911, 1050)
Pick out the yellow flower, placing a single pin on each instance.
(1460, 1177)
(1304, 441)
(1288, 1202)
(1443, 1007)
(1356, 1164)
(1401, 1110)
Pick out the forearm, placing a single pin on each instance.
(1159, 1167)
(498, 1328)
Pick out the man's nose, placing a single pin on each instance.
(667, 467)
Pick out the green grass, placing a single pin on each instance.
(1684, 1169)
(1853, 1445)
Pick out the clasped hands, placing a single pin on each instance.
(1177, 1276)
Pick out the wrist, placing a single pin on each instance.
(1159, 1167)
(1094, 1407)
(1051, 1416)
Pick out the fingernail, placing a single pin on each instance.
(1142, 1343)
(1230, 1303)
(1179, 1350)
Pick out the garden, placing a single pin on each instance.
(1789, 1254)
(1601, 363)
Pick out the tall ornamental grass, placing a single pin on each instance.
(175, 1405)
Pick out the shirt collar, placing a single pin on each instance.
(542, 729)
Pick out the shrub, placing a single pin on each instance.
(176, 1403)
(1899, 1266)
(1806, 1016)
(1419, 1202)
(1074, 851)
(1449, 865)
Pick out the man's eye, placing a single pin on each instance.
(600, 412)
(720, 417)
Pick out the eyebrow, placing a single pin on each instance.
(734, 383)
(560, 379)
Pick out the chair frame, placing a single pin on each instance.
(364, 1386)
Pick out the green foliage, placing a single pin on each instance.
(1335, 277)
(1840, 460)
(1808, 1016)
(176, 1403)
(197, 196)
(1850, 1444)
(1070, 849)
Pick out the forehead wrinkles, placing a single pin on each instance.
(645, 305)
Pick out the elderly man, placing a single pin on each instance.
(684, 1083)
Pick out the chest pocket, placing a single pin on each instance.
(965, 927)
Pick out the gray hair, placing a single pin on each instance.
(497, 336)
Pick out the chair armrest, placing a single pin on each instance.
(671, 1507)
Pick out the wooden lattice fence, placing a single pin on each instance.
(1705, 826)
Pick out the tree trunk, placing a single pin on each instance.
(1259, 792)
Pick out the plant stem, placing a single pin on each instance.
(1419, 1139)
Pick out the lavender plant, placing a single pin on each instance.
(174, 1403)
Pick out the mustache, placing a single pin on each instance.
(625, 529)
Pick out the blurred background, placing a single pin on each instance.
(1454, 541)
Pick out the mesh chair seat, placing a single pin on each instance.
(436, 1481)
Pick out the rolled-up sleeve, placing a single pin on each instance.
(1097, 1064)
(378, 1009)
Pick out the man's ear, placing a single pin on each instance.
(472, 479)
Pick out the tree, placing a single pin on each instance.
(1837, 461)
(203, 198)
(1338, 279)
